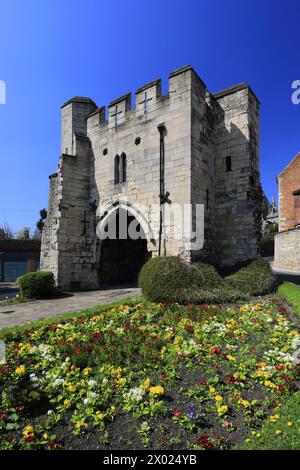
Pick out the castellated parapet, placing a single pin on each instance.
(211, 157)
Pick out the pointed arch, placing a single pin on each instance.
(132, 210)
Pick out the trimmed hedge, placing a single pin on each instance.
(168, 279)
(255, 279)
(36, 285)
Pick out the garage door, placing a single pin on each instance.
(13, 269)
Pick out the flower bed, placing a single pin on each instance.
(148, 375)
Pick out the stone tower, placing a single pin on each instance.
(186, 148)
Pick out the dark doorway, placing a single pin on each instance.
(121, 258)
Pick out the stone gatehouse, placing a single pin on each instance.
(187, 147)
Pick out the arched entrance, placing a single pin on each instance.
(123, 246)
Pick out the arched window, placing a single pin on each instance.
(117, 169)
(123, 168)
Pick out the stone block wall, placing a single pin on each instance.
(238, 192)
(287, 250)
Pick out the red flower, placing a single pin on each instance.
(230, 379)
(215, 350)
(283, 309)
(97, 335)
(176, 413)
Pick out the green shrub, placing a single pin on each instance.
(255, 279)
(36, 285)
(168, 279)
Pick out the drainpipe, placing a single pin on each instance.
(162, 197)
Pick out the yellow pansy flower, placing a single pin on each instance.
(20, 370)
(158, 390)
(146, 384)
(222, 409)
(218, 398)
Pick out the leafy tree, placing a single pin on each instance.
(5, 232)
(41, 221)
(270, 232)
(23, 234)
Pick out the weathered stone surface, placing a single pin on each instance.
(201, 130)
(287, 250)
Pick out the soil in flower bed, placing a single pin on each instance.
(159, 376)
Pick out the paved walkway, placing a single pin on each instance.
(17, 314)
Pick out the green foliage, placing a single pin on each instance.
(168, 279)
(20, 330)
(280, 434)
(255, 279)
(267, 245)
(41, 221)
(291, 293)
(270, 232)
(36, 285)
(6, 232)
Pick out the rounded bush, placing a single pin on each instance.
(169, 279)
(36, 285)
(255, 279)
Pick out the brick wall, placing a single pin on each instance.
(289, 204)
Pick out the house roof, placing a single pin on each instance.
(289, 164)
(20, 245)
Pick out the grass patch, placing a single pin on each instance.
(281, 431)
(291, 294)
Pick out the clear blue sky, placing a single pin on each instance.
(53, 50)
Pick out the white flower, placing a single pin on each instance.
(135, 394)
(92, 383)
(58, 382)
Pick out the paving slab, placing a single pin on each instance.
(18, 314)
